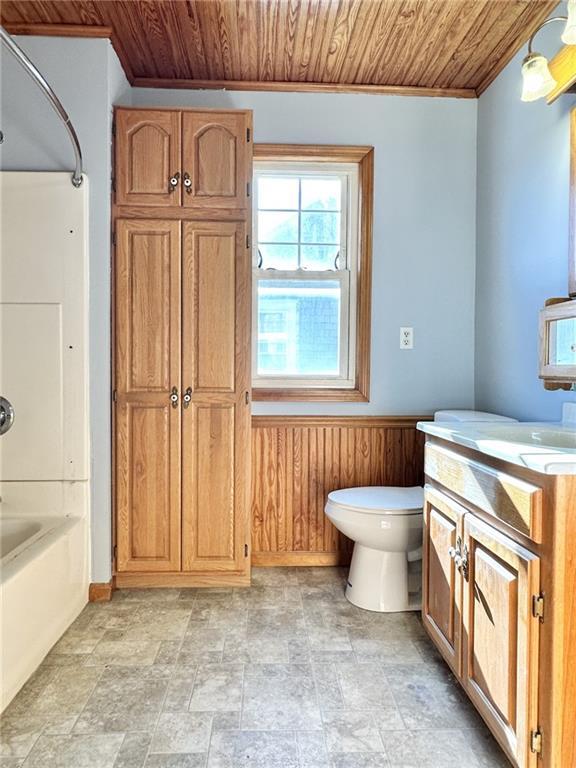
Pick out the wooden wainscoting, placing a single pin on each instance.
(297, 461)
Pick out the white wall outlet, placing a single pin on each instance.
(406, 338)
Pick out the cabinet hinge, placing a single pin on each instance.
(248, 135)
(247, 241)
(114, 396)
(113, 238)
(538, 606)
(248, 189)
(113, 127)
(536, 741)
(113, 184)
(114, 552)
(245, 550)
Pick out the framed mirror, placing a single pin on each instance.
(558, 343)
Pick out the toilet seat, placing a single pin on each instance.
(381, 500)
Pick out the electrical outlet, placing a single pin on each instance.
(406, 338)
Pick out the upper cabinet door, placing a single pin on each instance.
(442, 585)
(148, 153)
(501, 636)
(216, 160)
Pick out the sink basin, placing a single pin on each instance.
(537, 435)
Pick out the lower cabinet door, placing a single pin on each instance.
(501, 636)
(147, 485)
(442, 585)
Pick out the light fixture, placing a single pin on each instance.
(569, 34)
(537, 80)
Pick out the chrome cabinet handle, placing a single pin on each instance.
(187, 397)
(174, 397)
(173, 182)
(6, 415)
(460, 557)
(187, 183)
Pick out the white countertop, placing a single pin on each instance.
(507, 442)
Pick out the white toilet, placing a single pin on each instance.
(386, 525)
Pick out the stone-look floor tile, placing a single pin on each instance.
(327, 686)
(349, 731)
(429, 749)
(298, 650)
(217, 687)
(388, 718)
(233, 619)
(312, 750)
(30, 691)
(225, 721)
(179, 693)
(187, 660)
(97, 751)
(133, 751)
(161, 622)
(182, 732)
(280, 703)
(329, 639)
(18, 734)
(67, 693)
(74, 642)
(146, 595)
(176, 761)
(203, 639)
(396, 650)
(168, 652)
(258, 597)
(320, 576)
(11, 762)
(364, 686)
(125, 699)
(272, 650)
(124, 653)
(278, 670)
(286, 619)
(274, 577)
(54, 659)
(363, 760)
(486, 751)
(253, 749)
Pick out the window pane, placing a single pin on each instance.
(319, 256)
(299, 327)
(320, 228)
(277, 227)
(321, 194)
(277, 193)
(278, 256)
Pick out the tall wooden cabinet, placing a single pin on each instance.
(182, 346)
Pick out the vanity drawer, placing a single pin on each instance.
(514, 501)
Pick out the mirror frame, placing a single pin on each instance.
(572, 239)
(559, 310)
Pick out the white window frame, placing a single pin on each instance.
(346, 274)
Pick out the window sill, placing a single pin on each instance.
(310, 395)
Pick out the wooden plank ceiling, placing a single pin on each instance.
(434, 47)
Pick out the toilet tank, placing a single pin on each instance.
(469, 416)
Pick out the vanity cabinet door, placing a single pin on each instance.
(501, 636)
(147, 150)
(442, 585)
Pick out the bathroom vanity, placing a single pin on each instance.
(499, 579)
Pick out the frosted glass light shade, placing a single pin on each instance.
(569, 34)
(537, 81)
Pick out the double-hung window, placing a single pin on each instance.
(307, 261)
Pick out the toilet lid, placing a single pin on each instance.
(381, 499)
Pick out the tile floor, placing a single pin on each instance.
(285, 674)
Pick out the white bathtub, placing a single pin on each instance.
(43, 574)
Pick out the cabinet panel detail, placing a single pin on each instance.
(442, 587)
(147, 306)
(215, 159)
(501, 637)
(210, 304)
(148, 487)
(148, 157)
(510, 499)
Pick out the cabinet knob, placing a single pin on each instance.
(187, 397)
(174, 397)
(187, 183)
(173, 182)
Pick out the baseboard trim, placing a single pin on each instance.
(182, 580)
(101, 592)
(302, 559)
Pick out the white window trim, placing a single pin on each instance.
(347, 274)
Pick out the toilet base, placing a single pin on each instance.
(378, 581)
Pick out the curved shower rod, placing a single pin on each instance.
(34, 73)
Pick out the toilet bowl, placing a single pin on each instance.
(386, 525)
